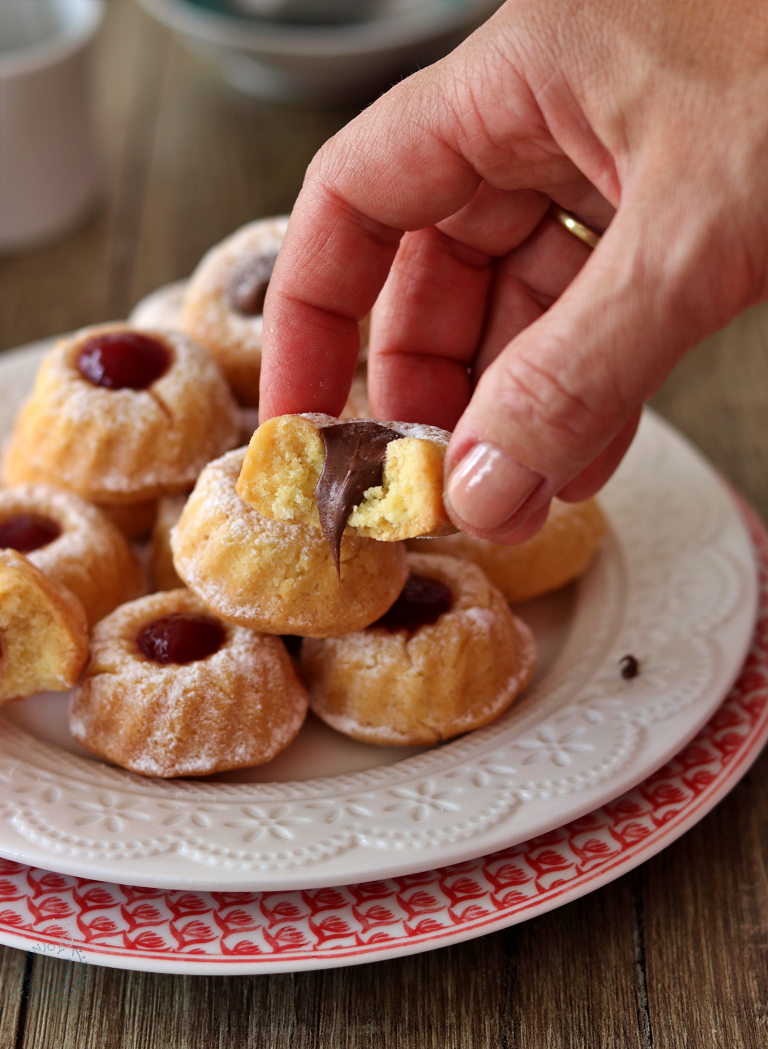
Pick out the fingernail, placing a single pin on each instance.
(488, 486)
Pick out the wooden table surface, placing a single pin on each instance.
(675, 953)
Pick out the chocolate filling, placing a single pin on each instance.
(27, 532)
(354, 462)
(180, 638)
(121, 360)
(422, 601)
(248, 284)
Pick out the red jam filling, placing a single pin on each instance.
(27, 532)
(123, 360)
(181, 638)
(422, 602)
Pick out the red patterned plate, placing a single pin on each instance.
(233, 933)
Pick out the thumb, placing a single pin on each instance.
(557, 409)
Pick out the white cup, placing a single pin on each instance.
(49, 167)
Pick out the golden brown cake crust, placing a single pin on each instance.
(91, 556)
(234, 341)
(206, 314)
(161, 309)
(277, 577)
(401, 688)
(285, 458)
(135, 520)
(556, 555)
(122, 446)
(238, 707)
(43, 631)
(164, 575)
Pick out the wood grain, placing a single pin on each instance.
(706, 922)
(187, 160)
(718, 396)
(526, 986)
(13, 1003)
(674, 954)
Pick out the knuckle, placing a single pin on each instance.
(556, 413)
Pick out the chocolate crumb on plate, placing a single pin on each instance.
(629, 667)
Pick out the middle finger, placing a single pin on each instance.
(428, 320)
(525, 283)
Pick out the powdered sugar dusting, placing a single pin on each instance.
(420, 670)
(161, 309)
(207, 295)
(418, 430)
(244, 527)
(90, 555)
(245, 700)
(126, 445)
(82, 525)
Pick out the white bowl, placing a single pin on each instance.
(314, 11)
(323, 63)
(49, 170)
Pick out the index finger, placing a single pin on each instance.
(388, 171)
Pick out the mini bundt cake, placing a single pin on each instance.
(277, 577)
(73, 543)
(122, 416)
(164, 575)
(135, 520)
(172, 691)
(365, 478)
(556, 555)
(161, 309)
(448, 657)
(224, 300)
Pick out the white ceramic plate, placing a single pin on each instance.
(235, 933)
(674, 585)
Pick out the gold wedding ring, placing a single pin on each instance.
(575, 226)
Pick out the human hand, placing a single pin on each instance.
(648, 119)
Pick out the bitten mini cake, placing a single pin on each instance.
(448, 657)
(43, 631)
(381, 480)
(121, 417)
(556, 555)
(72, 542)
(224, 300)
(172, 691)
(277, 577)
